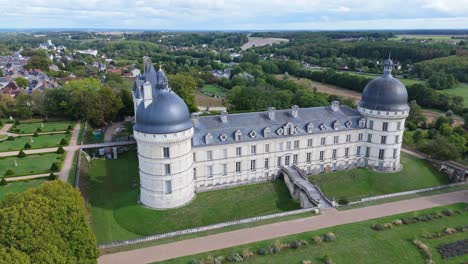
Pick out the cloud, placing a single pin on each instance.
(233, 14)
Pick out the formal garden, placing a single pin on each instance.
(20, 165)
(435, 234)
(111, 188)
(34, 142)
(41, 127)
(354, 184)
(19, 186)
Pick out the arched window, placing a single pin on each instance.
(238, 135)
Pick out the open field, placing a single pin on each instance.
(29, 128)
(19, 186)
(460, 90)
(42, 141)
(355, 184)
(207, 101)
(405, 81)
(359, 243)
(214, 90)
(444, 38)
(260, 42)
(31, 164)
(111, 188)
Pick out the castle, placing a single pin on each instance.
(180, 155)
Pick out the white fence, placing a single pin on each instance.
(204, 228)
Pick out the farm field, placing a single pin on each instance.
(260, 42)
(111, 188)
(355, 184)
(31, 164)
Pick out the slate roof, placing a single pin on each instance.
(258, 121)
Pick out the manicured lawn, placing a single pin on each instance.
(214, 90)
(358, 243)
(112, 189)
(460, 90)
(355, 184)
(41, 141)
(29, 128)
(31, 164)
(19, 186)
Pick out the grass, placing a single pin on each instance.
(31, 164)
(72, 173)
(460, 90)
(358, 183)
(19, 186)
(111, 187)
(41, 141)
(215, 90)
(358, 243)
(405, 81)
(29, 128)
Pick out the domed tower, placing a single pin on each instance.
(163, 132)
(384, 104)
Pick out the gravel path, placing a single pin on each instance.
(329, 218)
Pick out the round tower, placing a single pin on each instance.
(163, 131)
(384, 104)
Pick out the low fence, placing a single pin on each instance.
(385, 196)
(203, 228)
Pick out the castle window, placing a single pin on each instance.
(395, 151)
(369, 138)
(296, 144)
(253, 165)
(334, 154)
(267, 148)
(223, 137)
(336, 125)
(286, 160)
(399, 126)
(267, 163)
(371, 124)
(208, 138)
(194, 173)
(367, 152)
(238, 151)
(348, 138)
(346, 152)
(278, 162)
(322, 141)
(335, 139)
(295, 159)
(288, 145)
(238, 135)
(224, 169)
(323, 127)
(266, 132)
(309, 157)
(253, 134)
(209, 155)
(360, 137)
(397, 139)
(253, 150)
(209, 171)
(238, 167)
(225, 153)
(321, 155)
(280, 131)
(385, 126)
(348, 124)
(281, 145)
(381, 154)
(383, 140)
(166, 152)
(362, 123)
(309, 142)
(310, 128)
(194, 156)
(168, 185)
(167, 169)
(358, 150)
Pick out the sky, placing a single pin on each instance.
(235, 14)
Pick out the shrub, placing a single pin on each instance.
(447, 212)
(3, 182)
(276, 247)
(234, 258)
(450, 231)
(27, 146)
(194, 261)
(407, 220)
(11, 138)
(60, 150)
(262, 251)
(329, 237)
(295, 244)
(68, 132)
(397, 222)
(63, 142)
(54, 167)
(17, 122)
(343, 201)
(327, 259)
(9, 172)
(218, 260)
(52, 177)
(21, 154)
(39, 129)
(35, 134)
(17, 130)
(70, 127)
(246, 253)
(318, 240)
(388, 225)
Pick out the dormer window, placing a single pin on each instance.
(362, 122)
(348, 124)
(310, 128)
(238, 135)
(266, 132)
(323, 127)
(253, 134)
(280, 131)
(208, 138)
(223, 137)
(336, 125)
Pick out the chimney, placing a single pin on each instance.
(271, 113)
(294, 111)
(335, 106)
(224, 115)
(147, 93)
(195, 118)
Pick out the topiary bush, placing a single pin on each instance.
(448, 212)
(329, 237)
(54, 167)
(52, 177)
(60, 150)
(235, 257)
(27, 146)
(70, 127)
(9, 172)
(11, 138)
(262, 251)
(343, 201)
(246, 254)
(39, 129)
(63, 142)
(318, 240)
(21, 154)
(3, 182)
(35, 134)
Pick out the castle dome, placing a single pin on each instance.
(166, 113)
(385, 93)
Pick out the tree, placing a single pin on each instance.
(3, 182)
(21, 82)
(21, 154)
(442, 149)
(54, 167)
(38, 62)
(60, 150)
(23, 106)
(184, 86)
(46, 225)
(63, 142)
(27, 145)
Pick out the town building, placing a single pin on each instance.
(180, 155)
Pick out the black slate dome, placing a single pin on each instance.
(166, 113)
(385, 93)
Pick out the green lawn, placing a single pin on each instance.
(112, 190)
(358, 183)
(19, 186)
(42, 141)
(358, 243)
(31, 164)
(460, 90)
(214, 90)
(29, 128)
(405, 81)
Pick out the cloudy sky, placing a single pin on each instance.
(235, 14)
